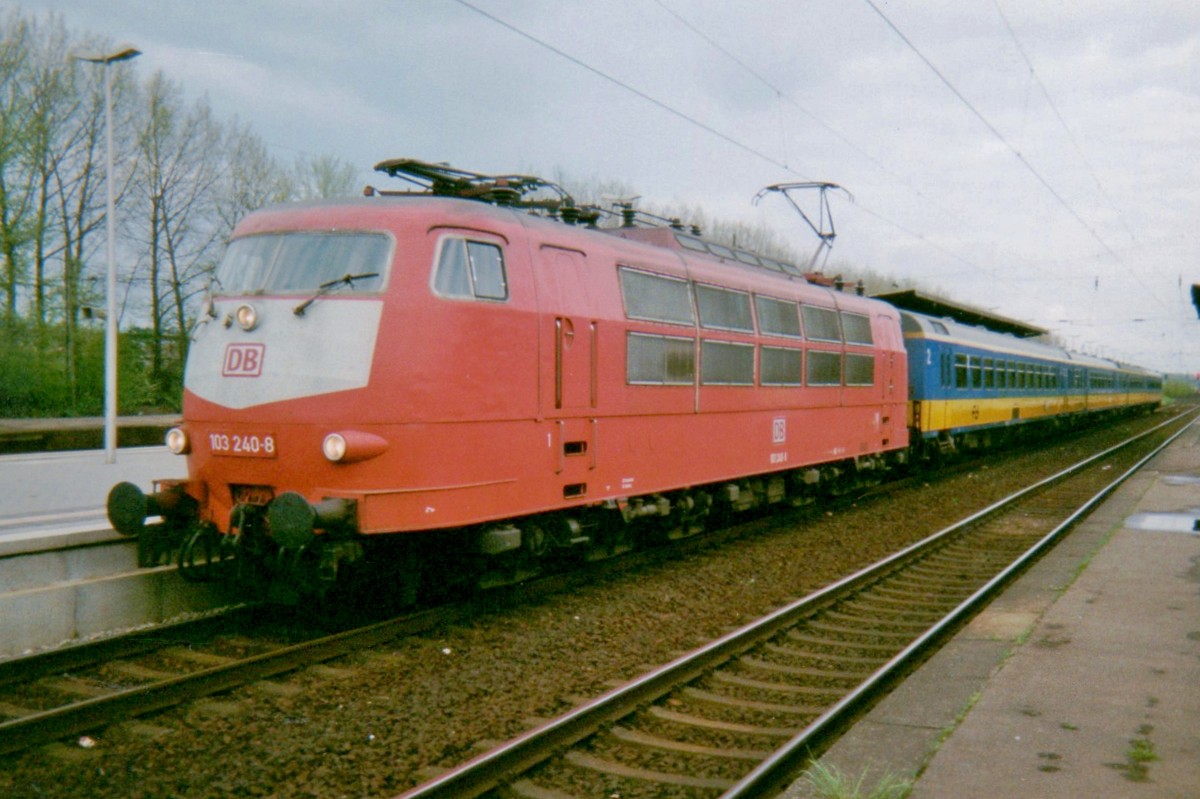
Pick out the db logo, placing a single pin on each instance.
(243, 360)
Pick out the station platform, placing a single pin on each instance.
(86, 432)
(1082, 679)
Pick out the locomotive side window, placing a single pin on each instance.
(303, 261)
(857, 328)
(659, 360)
(725, 363)
(821, 324)
(777, 318)
(824, 368)
(860, 370)
(656, 298)
(470, 269)
(780, 366)
(723, 309)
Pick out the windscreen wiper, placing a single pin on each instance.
(325, 288)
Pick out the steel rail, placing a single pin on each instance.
(59, 722)
(490, 770)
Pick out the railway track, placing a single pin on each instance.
(79, 689)
(82, 688)
(740, 716)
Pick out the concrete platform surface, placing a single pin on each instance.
(37, 484)
(1082, 680)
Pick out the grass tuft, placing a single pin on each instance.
(829, 782)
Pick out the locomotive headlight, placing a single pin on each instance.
(334, 447)
(247, 317)
(177, 441)
(352, 446)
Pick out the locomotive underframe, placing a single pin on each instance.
(288, 548)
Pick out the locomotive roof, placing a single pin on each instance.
(693, 249)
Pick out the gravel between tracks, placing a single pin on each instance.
(367, 725)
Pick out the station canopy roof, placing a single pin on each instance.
(913, 300)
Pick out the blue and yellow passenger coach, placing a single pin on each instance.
(970, 385)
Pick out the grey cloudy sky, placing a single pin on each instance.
(1038, 158)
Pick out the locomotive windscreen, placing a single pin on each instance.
(300, 262)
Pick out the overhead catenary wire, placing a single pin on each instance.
(1062, 121)
(1041, 179)
(707, 128)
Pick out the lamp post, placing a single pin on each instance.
(121, 53)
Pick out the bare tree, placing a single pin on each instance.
(174, 213)
(16, 191)
(319, 176)
(252, 178)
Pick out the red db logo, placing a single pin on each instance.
(243, 360)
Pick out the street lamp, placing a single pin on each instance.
(121, 53)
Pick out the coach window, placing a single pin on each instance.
(726, 363)
(659, 360)
(824, 368)
(656, 298)
(777, 317)
(723, 309)
(471, 269)
(976, 366)
(821, 324)
(857, 328)
(989, 373)
(780, 366)
(961, 376)
(860, 369)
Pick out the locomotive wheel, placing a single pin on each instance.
(534, 540)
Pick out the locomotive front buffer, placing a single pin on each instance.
(288, 541)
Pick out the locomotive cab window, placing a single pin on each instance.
(470, 269)
(304, 261)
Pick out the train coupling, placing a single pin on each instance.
(128, 506)
(293, 520)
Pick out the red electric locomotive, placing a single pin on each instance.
(468, 387)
